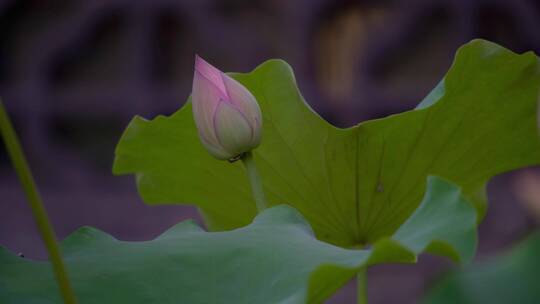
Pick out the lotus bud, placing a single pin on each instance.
(227, 115)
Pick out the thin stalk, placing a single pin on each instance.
(361, 282)
(40, 214)
(254, 180)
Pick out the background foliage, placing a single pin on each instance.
(511, 277)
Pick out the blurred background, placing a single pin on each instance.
(73, 73)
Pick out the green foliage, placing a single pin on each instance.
(510, 278)
(276, 259)
(354, 185)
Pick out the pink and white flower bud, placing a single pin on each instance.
(227, 115)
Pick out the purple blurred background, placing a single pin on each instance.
(73, 73)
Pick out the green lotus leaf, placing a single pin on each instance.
(354, 185)
(275, 259)
(511, 277)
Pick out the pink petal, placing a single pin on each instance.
(205, 98)
(245, 102)
(232, 129)
(212, 74)
(215, 149)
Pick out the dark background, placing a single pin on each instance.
(73, 73)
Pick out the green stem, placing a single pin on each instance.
(40, 215)
(361, 282)
(254, 180)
